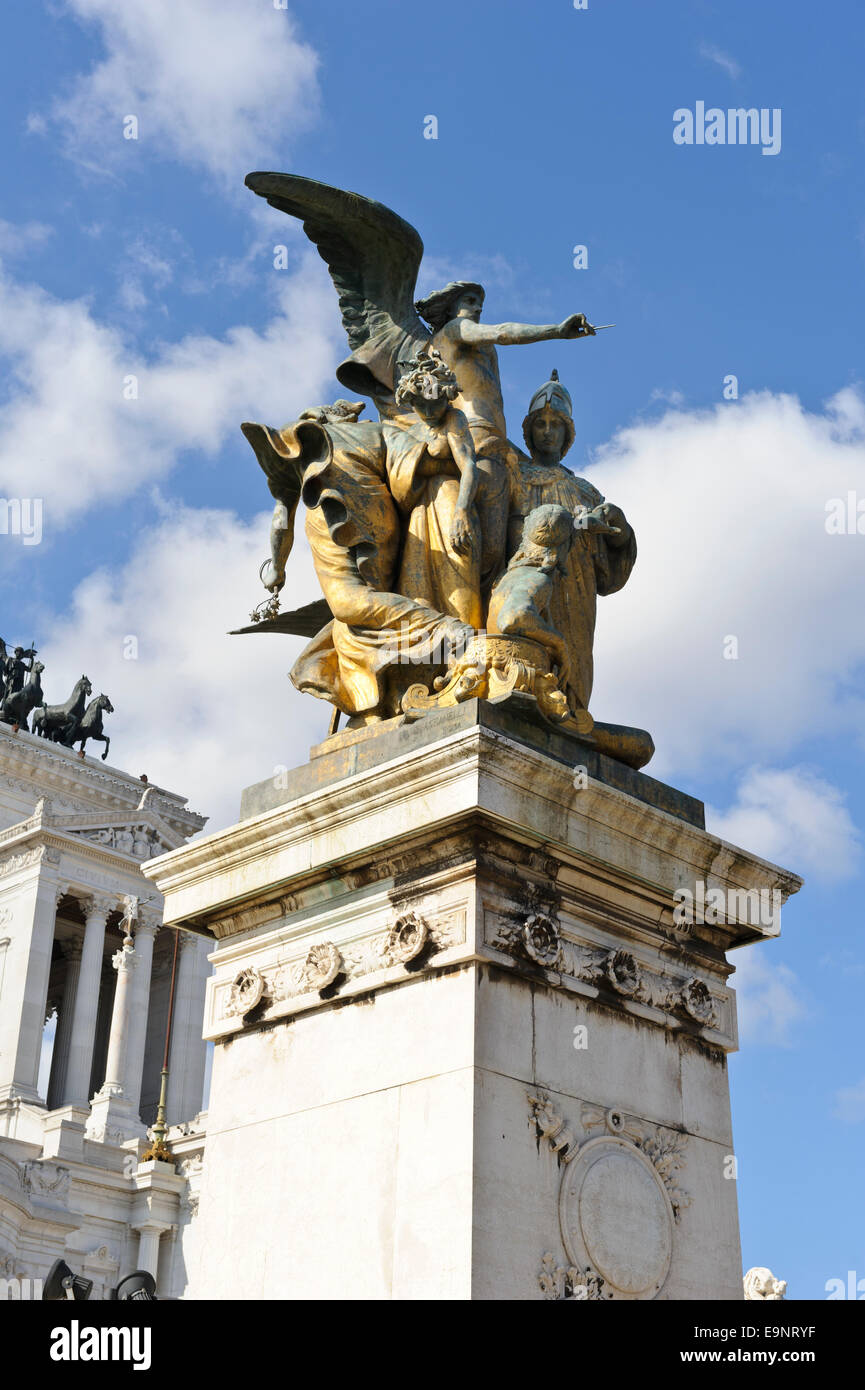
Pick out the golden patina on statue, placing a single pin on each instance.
(452, 563)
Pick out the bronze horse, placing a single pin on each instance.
(90, 724)
(59, 722)
(17, 705)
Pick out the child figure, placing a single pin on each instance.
(520, 600)
(429, 389)
(440, 489)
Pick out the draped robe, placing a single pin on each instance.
(353, 528)
(593, 567)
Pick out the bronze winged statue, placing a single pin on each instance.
(412, 518)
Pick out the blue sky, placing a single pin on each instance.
(147, 257)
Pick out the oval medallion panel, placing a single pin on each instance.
(617, 1219)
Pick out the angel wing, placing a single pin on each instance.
(373, 257)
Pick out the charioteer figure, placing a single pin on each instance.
(16, 666)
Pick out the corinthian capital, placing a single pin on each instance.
(149, 918)
(99, 904)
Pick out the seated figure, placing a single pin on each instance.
(520, 601)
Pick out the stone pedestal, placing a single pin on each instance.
(463, 1049)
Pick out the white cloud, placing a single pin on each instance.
(723, 60)
(729, 507)
(493, 272)
(672, 396)
(850, 1104)
(69, 435)
(148, 264)
(213, 83)
(202, 713)
(792, 817)
(19, 237)
(769, 998)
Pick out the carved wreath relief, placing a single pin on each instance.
(325, 963)
(405, 940)
(247, 990)
(618, 1203)
(538, 938)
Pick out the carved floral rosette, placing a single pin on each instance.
(622, 974)
(542, 940)
(322, 965)
(620, 1169)
(536, 938)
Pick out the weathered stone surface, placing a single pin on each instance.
(358, 750)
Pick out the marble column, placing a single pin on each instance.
(188, 1051)
(124, 962)
(72, 950)
(25, 980)
(76, 1090)
(146, 928)
(148, 1247)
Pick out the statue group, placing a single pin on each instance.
(21, 696)
(452, 562)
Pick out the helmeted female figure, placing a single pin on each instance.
(604, 549)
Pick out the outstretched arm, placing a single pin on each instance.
(473, 334)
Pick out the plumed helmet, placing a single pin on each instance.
(552, 393)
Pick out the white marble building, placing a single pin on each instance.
(73, 835)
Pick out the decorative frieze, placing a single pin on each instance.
(60, 769)
(45, 1180)
(26, 858)
(540, 940)
(383, 954)
(136, 840)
